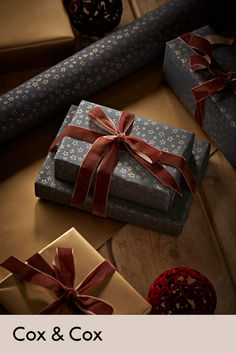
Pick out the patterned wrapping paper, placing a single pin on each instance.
(130, 180)
(219, 120)
(50, 188)
(98, 65)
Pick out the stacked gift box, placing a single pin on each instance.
(135, 195)
(218, 119)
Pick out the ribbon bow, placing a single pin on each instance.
(103, 156)
(204, 60)
(60, 280)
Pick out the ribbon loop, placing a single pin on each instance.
(119, 137)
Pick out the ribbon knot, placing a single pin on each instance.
(103, 155)
(220, 79)
(119, 137)
(70, 294)
(60, 279)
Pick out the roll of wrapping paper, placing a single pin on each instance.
(98, 65)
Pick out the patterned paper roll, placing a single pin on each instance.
(98, 65)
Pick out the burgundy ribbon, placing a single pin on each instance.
(103, 156)
(60, 280)
(204, 60)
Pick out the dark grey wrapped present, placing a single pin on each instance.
(219, 120)
(130, 180)
(50, 188)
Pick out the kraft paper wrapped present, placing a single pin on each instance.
(219, 120)
(50, 188)
(130, 180)
(18, 297)
(33, 33)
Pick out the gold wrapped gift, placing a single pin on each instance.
(18, 297)
(33, 33)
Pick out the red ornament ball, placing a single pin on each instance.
(94, 17)
(182, 290)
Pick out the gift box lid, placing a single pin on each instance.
(130, 180)
(50, 188)
(19, 297)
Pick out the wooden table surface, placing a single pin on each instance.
(208, 240)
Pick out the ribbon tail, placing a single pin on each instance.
(103, 181)
(87, 170)
(99, 274)
(202, 92)
(146, 151)
(56, 307)
(159, 172)
(180, 163)
(162, 157)
(94, 306)
(72, 131)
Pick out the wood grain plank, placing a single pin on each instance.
(218, 191)
(141, 255)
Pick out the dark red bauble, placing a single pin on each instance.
(182, 290)
(94, 17)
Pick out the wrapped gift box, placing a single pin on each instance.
(19, 297)
(130, 180)
(45, 34)
(219, 120)
(50, 188)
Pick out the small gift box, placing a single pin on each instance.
(131, 180)
(203, 76)
(33, 33)
(80, 281)
(51, 188)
